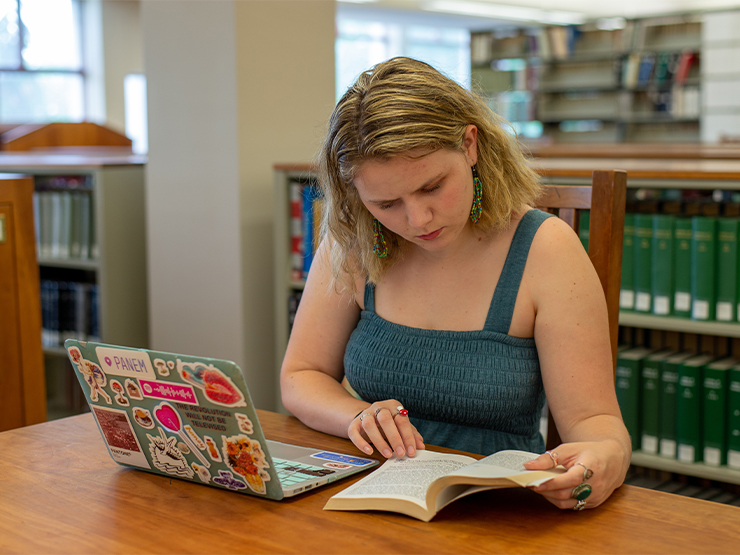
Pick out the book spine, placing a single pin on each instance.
(727, 283)
(583, 228)
(56, 224)
(733, 418)
(682, 268)
(643, 259)
(661, 278)
(715, 416)
(628, 396)
(627, 291)
(703, 260)
(689, 414)
(85, 217)
(296, 231)
(650, 405)
(667, 423)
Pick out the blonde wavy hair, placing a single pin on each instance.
(395, 107)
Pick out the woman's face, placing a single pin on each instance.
(424, 198)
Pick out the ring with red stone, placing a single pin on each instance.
(402, 411)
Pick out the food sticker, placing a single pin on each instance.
(202, 472)
(125, 362)
(246, 457)
(180, 393)
(345, 459)
(75, 355)
(338, 466)
(226, 479)
(216, 385)
(170, 419)
(212, 449)
(117, 388)
(195, 437)
(95, 378)
(161, 367)
(143, 418)
(120, 437)
(167, 457)
(245, 424)
(133, 390)
(184, 449)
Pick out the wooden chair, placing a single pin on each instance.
(605, 198)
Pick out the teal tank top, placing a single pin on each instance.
(477, 391)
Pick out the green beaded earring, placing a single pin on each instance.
(477, 208)
(380, 247)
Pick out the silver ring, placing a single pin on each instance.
(587, 472)
(580, 505)
(378, 410)
(581, 491)
(363, 415)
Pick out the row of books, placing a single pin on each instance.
(681, 266)
(64, 224)
(68, 309)
(662, 70)
(304, 223)
(681, 405)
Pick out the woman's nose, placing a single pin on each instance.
(419, 214)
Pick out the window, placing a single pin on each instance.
(41, 72)
(362, 43)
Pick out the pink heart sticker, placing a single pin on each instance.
(168, 417)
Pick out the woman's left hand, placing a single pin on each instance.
(598, 464)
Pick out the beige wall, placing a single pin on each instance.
(233, 87)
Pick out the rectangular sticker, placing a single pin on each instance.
(345, 459)
(169, 391)
(119, 435)
(125, 362)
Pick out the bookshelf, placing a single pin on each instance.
(114, 264)
(719, 168)
(639, 83)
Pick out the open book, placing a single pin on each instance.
(421, 486)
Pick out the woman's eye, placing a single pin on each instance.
(386, 206)
(431, 189)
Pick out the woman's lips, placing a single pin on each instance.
(430, 236)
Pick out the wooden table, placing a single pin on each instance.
(61, 493)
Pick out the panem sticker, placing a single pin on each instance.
(161, 367)
(226, 479)
(202, 472)
(117, 388)
(167, 457)
(246, 457)
(133, 390)
(245, 424)
(217, 386)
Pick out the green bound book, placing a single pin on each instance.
(668, 391)
(661, 278)
(689, 415)
(733, 418)
(583, 227)
(650, 384)
(629, 364)
(715, 387)
(643, 261)
(682, 267)
(627, 291)
(727, 283)
(703, 267)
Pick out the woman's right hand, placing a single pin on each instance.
(384, 426)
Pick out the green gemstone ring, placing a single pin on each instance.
(581, 492)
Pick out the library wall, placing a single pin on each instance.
(721, 77)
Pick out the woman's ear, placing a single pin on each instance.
(470, 144)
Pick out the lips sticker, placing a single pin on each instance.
(217, 386)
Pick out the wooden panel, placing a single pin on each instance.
(27, 137)
(22, 389)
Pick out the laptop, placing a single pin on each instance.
(192, 418)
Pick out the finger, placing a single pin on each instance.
(387, 423)
(545, 461)
(356, 435)
(410, 438)
(370, 427)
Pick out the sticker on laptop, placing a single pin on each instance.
(245, 424)
(117, 388)
(246, 457)
(95, 378)
(161, 367)
(167, 457)
(170, 420)
(212, 449)
(217, 386)
(119, 435)
(194, 437)
(133, 390)
(168, 391)
(338, 466)
(143, 418)
(125, 362)
(202, 472)
(343, 459)
(226, 479)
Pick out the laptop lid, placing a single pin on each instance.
(193, 418)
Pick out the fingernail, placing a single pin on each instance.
(411, 451)
(368, 450)
(399, 451)
(387, 453)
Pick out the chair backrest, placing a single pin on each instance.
(605, 198)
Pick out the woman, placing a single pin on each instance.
(448, 303)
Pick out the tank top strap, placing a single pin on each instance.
(370, 297)
(504, 297)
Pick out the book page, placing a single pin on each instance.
(501, 465)
(407, 477)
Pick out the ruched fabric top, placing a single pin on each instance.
(478, 391)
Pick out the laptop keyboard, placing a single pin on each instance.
(291, 473)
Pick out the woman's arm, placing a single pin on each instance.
(572, 336)
(313, 368)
